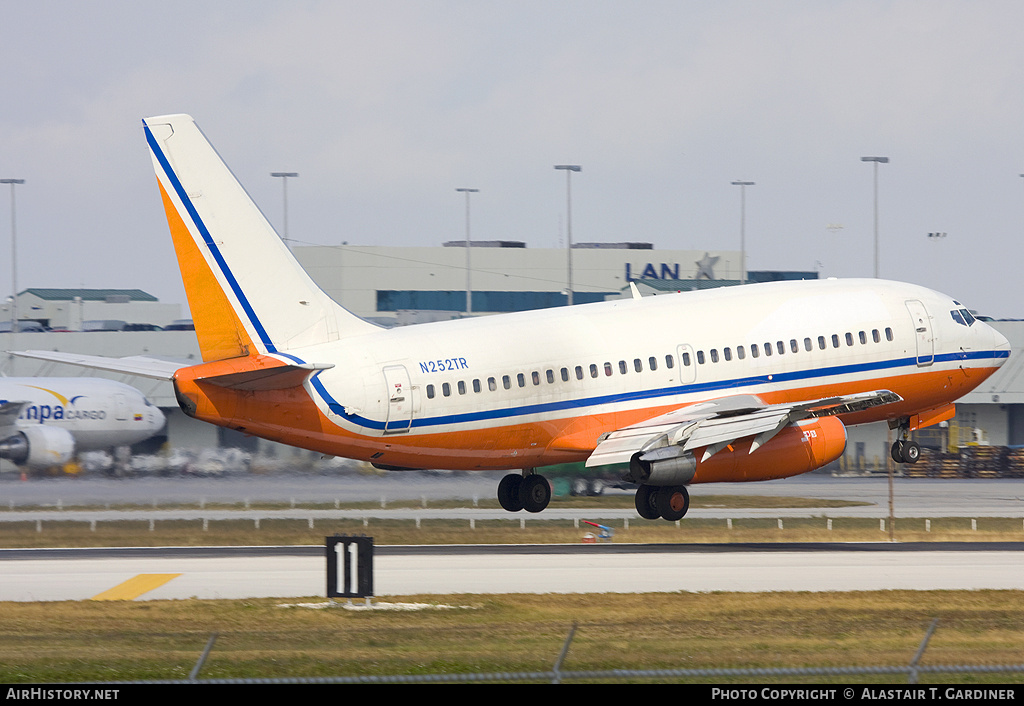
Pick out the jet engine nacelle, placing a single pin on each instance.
(39, 447)
(799, 448)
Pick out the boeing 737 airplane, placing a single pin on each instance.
(44, 422)
(734, 384)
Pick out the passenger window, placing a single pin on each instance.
(807, 344)
(714, 355)
(622, 367)
(767, 349)
(781, 347)
(535, 376)
(669, 362)
(821, 342)
(462, 387)
(521, 379)
(593, 370)
(727, 353)
(653, 362)
(835, 340)
(686, 360)
(793, 345)
(492, 384)
(700, 357)
(875, 336)
(740, 352)
(506, 382)
(863, 337)
(608, 369)
(755, 351)
(638, 365)
(888, 333)
(446, 390)
(849, 338)
(550, 375)
(579, 372)
(476, 386)
(430, 392)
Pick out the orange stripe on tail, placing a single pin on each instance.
(218, 328)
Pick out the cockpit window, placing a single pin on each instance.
(962, 317)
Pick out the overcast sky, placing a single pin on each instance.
(386, 107)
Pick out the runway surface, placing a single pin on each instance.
(290, 572)
(151, 574)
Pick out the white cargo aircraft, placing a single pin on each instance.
(734, 384)
(44, 422)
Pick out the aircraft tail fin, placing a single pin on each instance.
(247, 293)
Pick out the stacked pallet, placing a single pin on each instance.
(934, 464)
(1014, 461)
(982, 461)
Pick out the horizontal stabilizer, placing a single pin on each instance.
(133, 365)
(279, 378)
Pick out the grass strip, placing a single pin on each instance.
(129, 640)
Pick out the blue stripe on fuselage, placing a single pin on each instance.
(718, 386)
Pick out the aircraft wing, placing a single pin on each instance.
(133, 365)
(718, 423)
(9, 413)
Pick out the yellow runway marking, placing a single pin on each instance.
(134, 587)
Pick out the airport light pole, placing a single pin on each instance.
(469, 269)
(743, 227)
(877, 161)
(284, 176)
(569, 169)
(14, 257)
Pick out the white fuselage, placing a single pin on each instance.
(98, 413)
(536, 375)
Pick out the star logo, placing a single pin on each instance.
(705, 266)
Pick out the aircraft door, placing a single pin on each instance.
(687, 364)
(923, 332)
(120, 407)
(400, 406)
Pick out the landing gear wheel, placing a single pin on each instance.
(906, 452)
(911, 452)
(534, 493)
(646, 502)
(508, 492)
(673, 502)
(897, 451)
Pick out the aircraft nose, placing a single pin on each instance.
(158, 419)
(996, 342)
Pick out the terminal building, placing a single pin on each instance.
(401, 285)
(384, 284)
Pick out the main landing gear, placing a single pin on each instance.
(669, 502)
(529, 491)
(904, 450)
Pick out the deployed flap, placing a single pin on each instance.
(718, 423)
(133, 365)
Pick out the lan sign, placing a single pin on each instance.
(663, 270)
